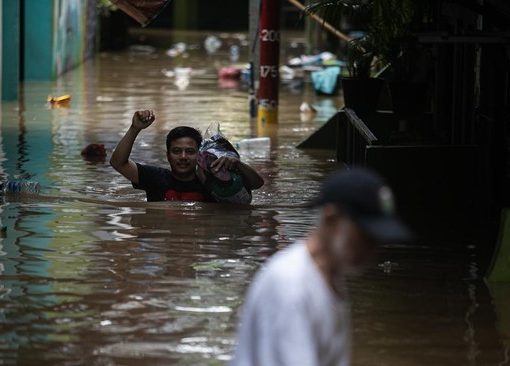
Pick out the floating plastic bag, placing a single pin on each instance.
(224, 185)
(326, 81)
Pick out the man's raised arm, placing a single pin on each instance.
(120, 158)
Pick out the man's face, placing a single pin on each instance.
(182, 156)
(351, 249)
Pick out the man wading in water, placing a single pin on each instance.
(181, 182)
(296, 311)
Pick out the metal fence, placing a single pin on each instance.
(353, 138)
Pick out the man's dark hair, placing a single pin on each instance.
(183, 131)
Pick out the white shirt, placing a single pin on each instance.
(292, 317)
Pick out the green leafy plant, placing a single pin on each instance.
(106, 6)
(389, 27)
(360, 57)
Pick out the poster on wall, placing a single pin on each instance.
(143, 11)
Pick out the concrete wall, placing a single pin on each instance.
(56, 36)
(1, 5)
(38, 53)
(10, 49)
(59, 35)
(75, 25)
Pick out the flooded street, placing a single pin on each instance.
(91, 274)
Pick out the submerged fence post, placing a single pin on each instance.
(269, 38)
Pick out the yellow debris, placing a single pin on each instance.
(60, 99)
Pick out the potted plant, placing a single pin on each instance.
(361, 90)
(388, 43)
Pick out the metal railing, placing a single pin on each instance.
(353, 138)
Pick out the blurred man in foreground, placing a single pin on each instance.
(296, 311)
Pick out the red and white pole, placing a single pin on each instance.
(269, 37)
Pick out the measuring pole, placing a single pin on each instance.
(269, 38)
(254, 56)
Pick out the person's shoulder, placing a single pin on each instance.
(285, 269)
(293, 254)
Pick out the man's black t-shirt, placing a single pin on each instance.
(160, 185)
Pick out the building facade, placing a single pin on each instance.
(41, 39)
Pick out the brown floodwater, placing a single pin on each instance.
(91, 274)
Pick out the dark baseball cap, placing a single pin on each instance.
(367, 200)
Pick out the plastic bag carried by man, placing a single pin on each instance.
(223, 184)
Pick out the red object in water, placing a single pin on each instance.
(228, 83)
(229, 72)
(94, 151)
(143, 11)
(269, 38)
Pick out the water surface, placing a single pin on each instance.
(91, 274)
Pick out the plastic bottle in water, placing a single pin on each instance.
(259, 147)
(19, 186)
(234, 53)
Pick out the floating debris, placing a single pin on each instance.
(228, 83)
(168, 73)
(326, 81)
(388, 266)
(212, 44)
(140, 48)
(258, 147)
(307, 108)
(287, 73)
(20, 186)
(59, 101)
(177, 50)
(182, 83)
(229, 72)
(183, 72)
(319, 59)
(94, 153)
(235, 53)
(102, 99)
